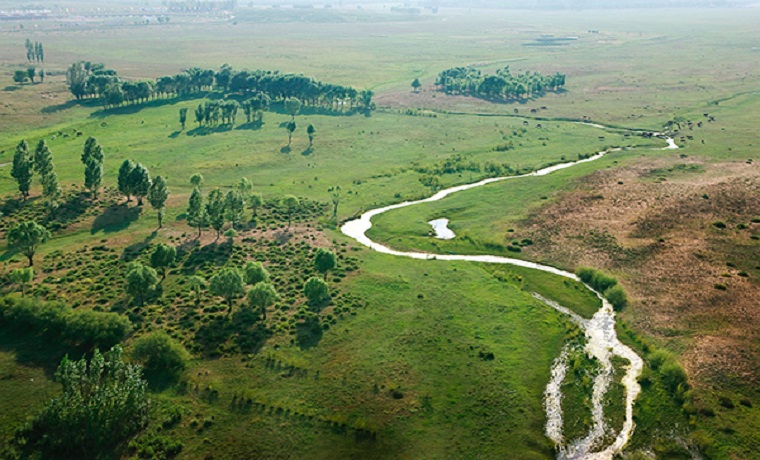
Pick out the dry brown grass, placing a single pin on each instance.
(651, 223)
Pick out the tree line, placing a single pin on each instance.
(503, 86)
(34, 51)
(87, 80)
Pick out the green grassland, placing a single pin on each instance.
(413, 359)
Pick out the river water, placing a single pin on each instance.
(601, 338)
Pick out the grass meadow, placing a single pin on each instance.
(413, 359)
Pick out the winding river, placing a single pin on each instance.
(601, 339)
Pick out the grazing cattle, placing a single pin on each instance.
(533, 110)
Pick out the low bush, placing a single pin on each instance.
(86, 329)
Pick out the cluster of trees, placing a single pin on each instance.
(217, 209)
(89, 80)
(502, 86)
(21, 76)
(34, 51)
(103, 403)
(26, 164)
(195, 6)
(211, 112)
(134, 180)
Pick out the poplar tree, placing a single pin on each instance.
(22, 168)
(196, 211)
(157, 196)
(124, 184)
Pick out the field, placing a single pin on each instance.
(412, 359)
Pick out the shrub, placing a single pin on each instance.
(673, 376)
(160, 354)
(617, 297)
(659, 357)
(601, 281)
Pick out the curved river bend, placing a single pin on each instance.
(602, 340)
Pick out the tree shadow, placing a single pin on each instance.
(285, 149)
(139, 106)
(310, 110)
(116, 218)
(174, 135)
(213, 334)
(73, 208)
(36, 350)
(308, 151)
(253, 126)
(309, 333)
(205, 130)
(12, 88)
(216, 253)
(133, 251)
(60, 107)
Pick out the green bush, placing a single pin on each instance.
(673, 376)
(160, 354)
(601, 281)
(659, 357)
(59, 322)
(617, 297)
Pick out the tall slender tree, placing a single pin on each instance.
(139, 182)
(93, 176)
(124, 183)
(157, 196)
(183, 116)
(290, 202)
(43, 158)
(215, 210)
(311, 131)
(196, 211)
(22, 168)
(234, 207)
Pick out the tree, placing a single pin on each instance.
(124, 183)
(103, 403)
(183, 117)
(22, 277)
(316, 290)
(26, 237)
(335, 196)
(43, 158)
(163, 256)
(291, 128)
(215, 210)
(22, 168)
(50, 190)
(196, 180)
(293, 106)
(31, 72)
(196, 211)
(324, 261)
(197, 284)
(88, 149)
(140, 280)
(93, 176)
(41, 74)
(290, 202)
(139, 182)
(255, 272)
(261, 296)
(20, 76)
(76, 78)
(160, 354)
(416, 84)
(617, 297)
(234, 207)
(157, 196)
(228, 283)
(255, 200)
(311, 131)
(430, 180)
